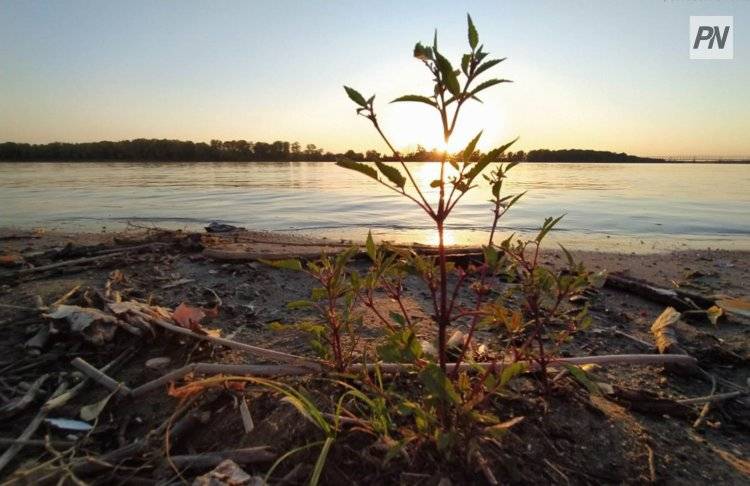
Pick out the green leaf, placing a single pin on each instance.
(581, 377)
(477, 169)
(487, 84)
(494, 154)
(469, 150)
(490, 256)
(511, 371)
(392, 173)
(372, 251)
(320, 463)
(473, 34)
(549, 223)
(415, 99)
(356, 97)
(397, 317)
(421, 52)
(487, 65)
(438, 385)
(465, 63)
(318, 293)
(401, 346)
(289, 264)
(359, 167)
(448, 74)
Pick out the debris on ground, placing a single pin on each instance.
(111, 344)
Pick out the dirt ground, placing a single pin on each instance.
(570, 437)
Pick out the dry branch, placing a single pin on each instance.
(100, 377)
(284, 370)
(218, 368)
(679, 299)
(262, 352)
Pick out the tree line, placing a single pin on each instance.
(244, 151)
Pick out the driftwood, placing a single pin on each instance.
(679, 299)
(103, 255)
(206, 460)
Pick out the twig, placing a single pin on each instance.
(27, 398)
(100, 377)
(266, 353)
(486, 471)
(719, 397)
(651, 465)
(218, 368)
(707, 407)
(15, 448)
(66, 296)
(67, 263)
(643, 343)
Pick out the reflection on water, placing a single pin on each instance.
(700, 205)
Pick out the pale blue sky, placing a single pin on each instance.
(595, 74)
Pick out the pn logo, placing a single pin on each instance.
(712, 37)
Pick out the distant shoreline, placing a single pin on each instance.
(163, 150)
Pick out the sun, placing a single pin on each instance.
(407, 128)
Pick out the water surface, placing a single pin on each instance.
(607, 206)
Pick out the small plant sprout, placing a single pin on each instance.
(451, 90)
(334, 338)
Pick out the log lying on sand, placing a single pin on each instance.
(681, 300)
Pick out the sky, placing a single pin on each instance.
(607, 75)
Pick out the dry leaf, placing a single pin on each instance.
(188, 317)
(96, 326)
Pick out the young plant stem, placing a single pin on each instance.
(497, 214)
(443, 317)
(467, 342)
